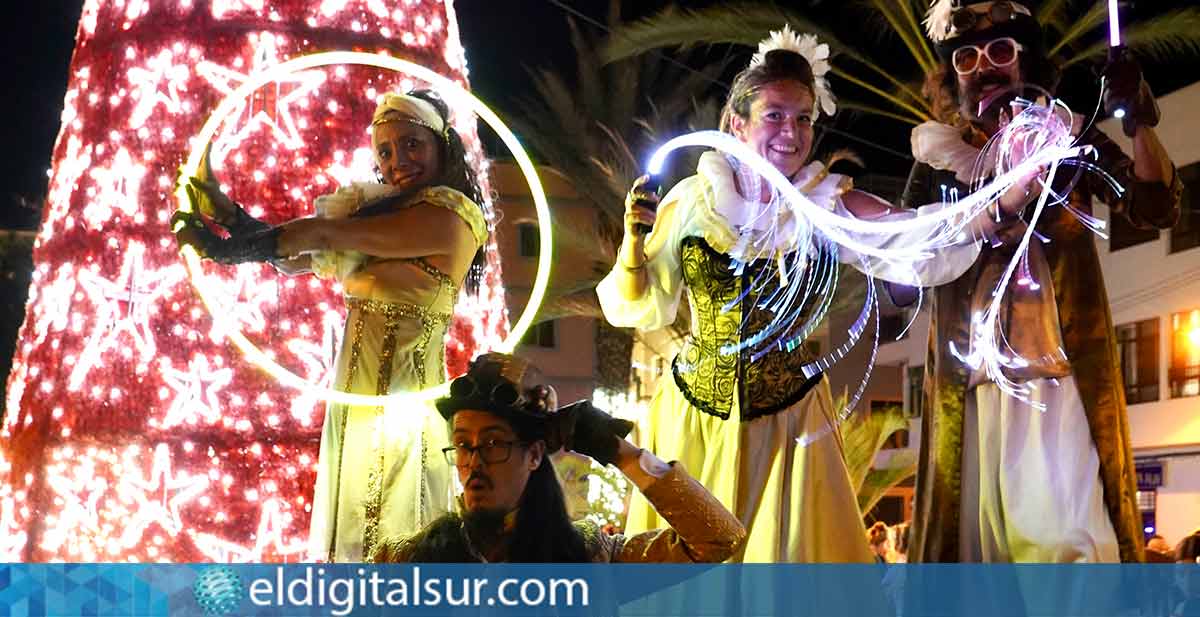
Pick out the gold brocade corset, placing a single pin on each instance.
(711, 379)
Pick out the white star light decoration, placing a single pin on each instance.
(78, 524)
(115, 190)
(157, 499)
(12, 536)
(270, 535)
(67, 174)
(220, 8)
(330, 8)
(318, 365)
(16, 391)
(195, 393)
(124, 307)
(281, 121)
(243, 300)
(147, 87)
(51, 303)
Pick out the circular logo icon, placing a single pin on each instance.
(218, 590)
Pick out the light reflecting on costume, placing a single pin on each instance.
(895, 247)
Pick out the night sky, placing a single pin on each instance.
(501, 38)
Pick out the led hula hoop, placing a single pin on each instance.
(443, 85)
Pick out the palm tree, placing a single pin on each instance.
(863, 436)
(596, 127)
(1073, 43)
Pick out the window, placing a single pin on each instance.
(530, 243)
(541, 335)
(1184, 376)
(1147, 501)
(1122, 234)
(916, 391)
(1138, 346)
(1186, 233)
(891, 326)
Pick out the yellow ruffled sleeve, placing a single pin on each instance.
(455, 201)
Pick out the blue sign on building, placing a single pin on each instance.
(1149, 475)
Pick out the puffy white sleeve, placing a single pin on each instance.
(948, 264)
(339, 204)
(657, 306)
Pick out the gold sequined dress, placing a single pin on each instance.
(380, 472)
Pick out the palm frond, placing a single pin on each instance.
(919, 114)
(579, 304)
(1090, 21)
(905, 93)
(744, 23)
(864, 434)
(1053, 14)
(906, 27)
(915, 19)
(851, 105)
(1165, 38)
(879, 481)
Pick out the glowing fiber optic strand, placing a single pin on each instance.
(933, 231)
(1036, 127)
(870, 306)
(922, 235)
(987, 329)
(456, 96)
(926, 234)
(819, 288)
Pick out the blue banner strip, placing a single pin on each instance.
(216, 590)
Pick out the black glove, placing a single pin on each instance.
(203, 202)
(1125, 89)
(237, 248)
(593, 432)
(204, 193)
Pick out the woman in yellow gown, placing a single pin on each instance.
(401, 249)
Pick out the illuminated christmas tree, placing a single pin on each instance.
(133, 429)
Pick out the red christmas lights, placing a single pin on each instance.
(132, 430)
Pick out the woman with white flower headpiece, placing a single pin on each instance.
(401, 248)
(735, 417)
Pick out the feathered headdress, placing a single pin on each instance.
(937, 20)
(815, 52)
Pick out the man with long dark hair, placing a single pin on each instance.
(504, 427)
(998, 479)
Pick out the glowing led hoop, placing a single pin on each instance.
(444, 86)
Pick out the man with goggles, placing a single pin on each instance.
(504, 427)
(982, 492)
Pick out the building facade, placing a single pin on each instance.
(564, 348)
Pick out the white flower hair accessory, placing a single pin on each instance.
(937, 20)
(812, 50)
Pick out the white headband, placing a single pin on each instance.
(411, 108)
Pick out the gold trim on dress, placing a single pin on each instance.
(394, 313)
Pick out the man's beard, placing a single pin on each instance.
(484, 526)
(984, 109)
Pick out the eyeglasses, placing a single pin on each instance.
(491, 452)
(1000, 53)
(966, 18)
